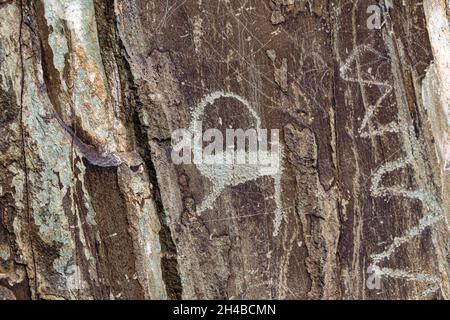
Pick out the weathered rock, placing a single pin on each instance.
(93, 207)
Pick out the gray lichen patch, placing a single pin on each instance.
(54, 10)
(40, 187)
(50, 184)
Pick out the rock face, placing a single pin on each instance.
(93, 205)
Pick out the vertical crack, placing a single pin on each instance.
(22, 132)
(169, 262)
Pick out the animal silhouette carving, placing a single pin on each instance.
(222, 174)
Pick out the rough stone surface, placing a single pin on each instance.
(92, 206)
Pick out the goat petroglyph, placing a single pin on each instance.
(224, 175)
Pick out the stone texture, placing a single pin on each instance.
(92, 207)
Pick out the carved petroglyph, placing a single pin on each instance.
(370, 112)
(223, 175)
(378, 190)
(416, 231)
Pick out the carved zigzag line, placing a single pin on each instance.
(379, 191)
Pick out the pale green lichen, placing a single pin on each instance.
(77, 17)
(50, 184)
(55, 180)
(54, 10)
